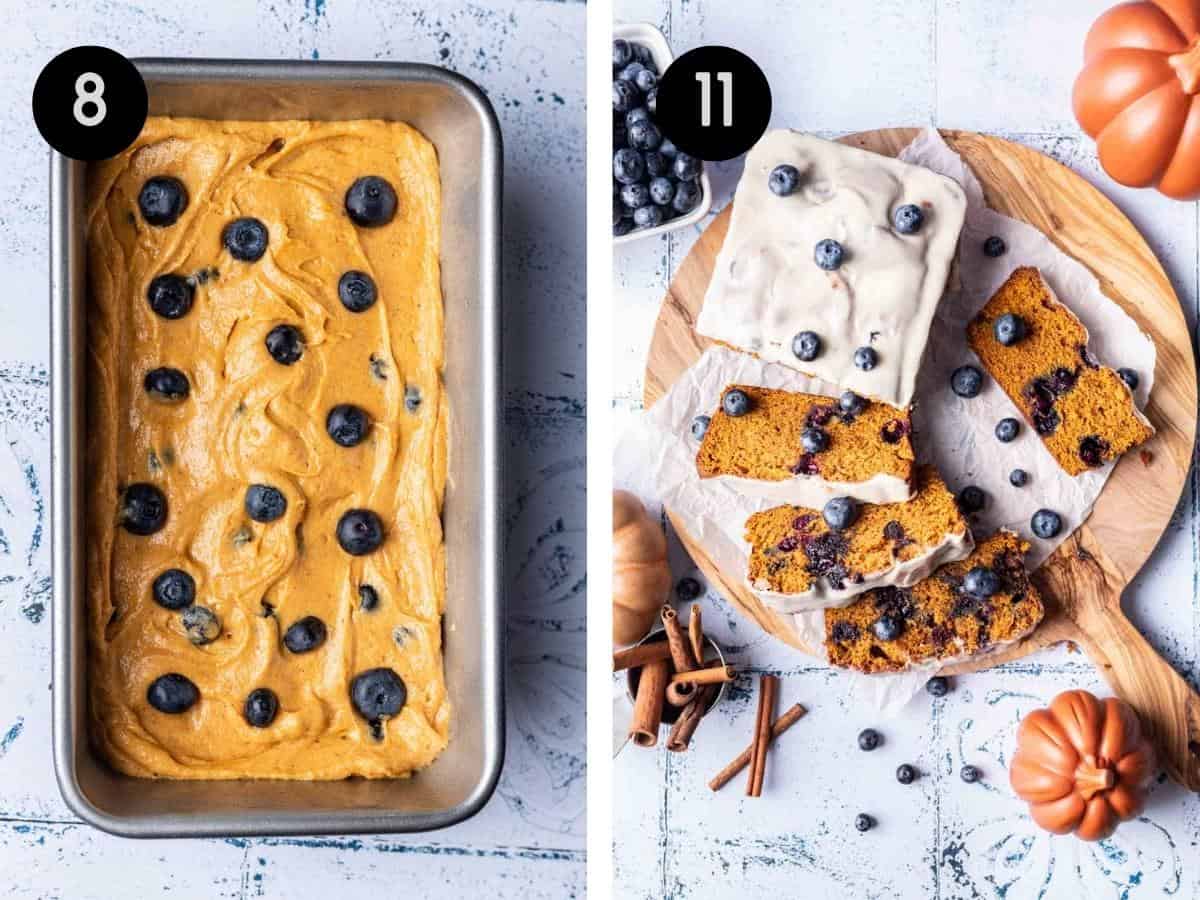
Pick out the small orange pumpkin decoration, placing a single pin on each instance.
(641, 576)
(1082, 765)
(1139, 94)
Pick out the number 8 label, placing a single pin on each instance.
(89, 88)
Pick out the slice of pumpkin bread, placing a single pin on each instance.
(1037, 351)
(964, 608)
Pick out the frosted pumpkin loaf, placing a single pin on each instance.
(266, 452)
(834, 263)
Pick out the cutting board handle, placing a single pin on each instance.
(1089, 588)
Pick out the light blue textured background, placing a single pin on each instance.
(1004, 68)
(529, 841)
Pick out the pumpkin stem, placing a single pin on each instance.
(1187, 67)
(1091, 779)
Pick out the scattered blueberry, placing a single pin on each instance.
(649, 216)
(970, 774)
(967, 381)
(700, 427)
(994, 247)
(888, 627)
(735, 403)
(285, 343)
(162, 200)
(377, 693)
(806, 346)
(851, 404)
(359, 532)
(866, 358)
(347, 424)
(628, 165)
(869, 739)
(1018, 478)
(1046, 523)
(174, 589)
(1009, 329)
(201, 624)
(685, 167)
(412, 398)
(622, 53)
(305, 634)
(170, 296)
(971, 499)
(814, 440)
(261, 707)
(357, 291)
(635, 195)
(167, 384)
(906, 774)
(368, 597)
(687, 197)
(644, 136)
(245, 239)
(981, 582)
(370, 202)
(1007, 430)
(172, 693)
(688, 589)
(828, 254)
(662, 190)
(840, 513)
(908, 219)
(265, 503)
(143, 509)
(783, 180)
(863, 822)
(1130, 378)
(938, 686)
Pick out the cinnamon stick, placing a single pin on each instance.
(685, 726)
(681, 653)
(647, 707)
(762, 734)
(715, 675)
(640, 654)
(739, 762)
(696, 635)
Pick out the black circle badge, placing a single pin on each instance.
(89, 103)
(713, 103)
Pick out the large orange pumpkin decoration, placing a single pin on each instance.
(1139, 94)
(641, 575)
(1082, 765)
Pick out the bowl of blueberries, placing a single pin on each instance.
(656, 187)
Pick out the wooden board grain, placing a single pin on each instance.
(1082, 582)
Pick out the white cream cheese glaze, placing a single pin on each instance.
(813, 492)
(766, 287)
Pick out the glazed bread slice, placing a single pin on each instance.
(867, 449)
(938, 619)
(1083, 412)
(767, 285)
(798, 562)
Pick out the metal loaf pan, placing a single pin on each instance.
(454, 114)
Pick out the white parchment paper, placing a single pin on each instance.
(656, 459)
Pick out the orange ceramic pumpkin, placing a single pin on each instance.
(641, 576)
(1139, 94)
(1082, 765)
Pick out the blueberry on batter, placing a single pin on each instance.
(162, 200)
(261, 707)
(174, 589)
(201, 624)
(783, 180)
(143, 509)
(170, 296)
(245, 239)
(172, 693)
(806, 346)
(368, 598)
(359, 532)
(908, 219)
(265, 503)
(285, 343)
(167, 384)
(377, 693)
(828, 254)
(371, 202)
(357, 291)
(412, 398)
(347, 424)
(304, 635)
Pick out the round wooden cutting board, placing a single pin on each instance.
(1082, 582)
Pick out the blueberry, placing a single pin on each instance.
(174, 589)
(166, 384)
(806, 346)
(828, 254)
(869, 739)
(648, 216)
(359, 532)
(735, 403)
(656, 163)
(622, 53)
(162, 200)
(866, 358)
(700, 427)
(652, 99)
(265, 503)
(635, 196)
(851, 404)
(888, 627)
(688, 589)
(938, 686)
(347, 424)
(245, 239)
(814, 440)
(668, 149)
(1009, 329)
(863, 822)
(628, 166)
(994, 247)
(143, 509)
(1018, 478)
(357, 291)
(967, 381)
(971, 499)
(261, 707)
(783, 180)
(637, 114)
(646, 81)
(685, 167)
(370, 202)
(624, 95)
(172, 693)
(285, 343)
(412, 398)
(687, 197)
(1007, 430)
(368, 598)
(305, 634)
(623, 227)
(840, 513)
(620, 135)
(908, 219)
(970, 774)
(643, 55)
(1046, 523)
(906, 774)
(170, 296)
(662, 191)
(377, 693)
(630, 73)
(981, 582)
(644, 136)
(1130, 378)
(201, 624)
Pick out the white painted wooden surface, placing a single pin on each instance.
(1004, 68)
(529, 841)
